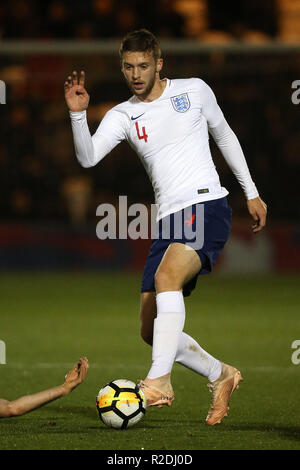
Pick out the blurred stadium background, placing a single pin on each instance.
(249, 53)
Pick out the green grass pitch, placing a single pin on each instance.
(49, 320)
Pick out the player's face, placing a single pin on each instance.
(141, 72)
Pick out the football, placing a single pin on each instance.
(121, 404)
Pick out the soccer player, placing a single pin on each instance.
(23, 405)
(167, 122)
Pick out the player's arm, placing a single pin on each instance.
(77, 99)
(89, 150)
(4, 408)
(232, 152)
(28, 403)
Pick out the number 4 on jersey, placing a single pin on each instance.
(144, 135)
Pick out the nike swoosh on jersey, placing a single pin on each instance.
(134, 118)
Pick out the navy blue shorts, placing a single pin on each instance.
(214, 231)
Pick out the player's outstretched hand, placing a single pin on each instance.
(77, 98)
(258, 210)
(76, 375)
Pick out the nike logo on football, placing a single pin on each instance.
(134, 118)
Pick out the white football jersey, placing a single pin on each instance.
(170, 136)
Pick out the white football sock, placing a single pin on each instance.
(192, 356)
(167, 331)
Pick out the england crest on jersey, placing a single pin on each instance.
(181, 103)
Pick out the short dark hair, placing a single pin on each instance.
(140, 40)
